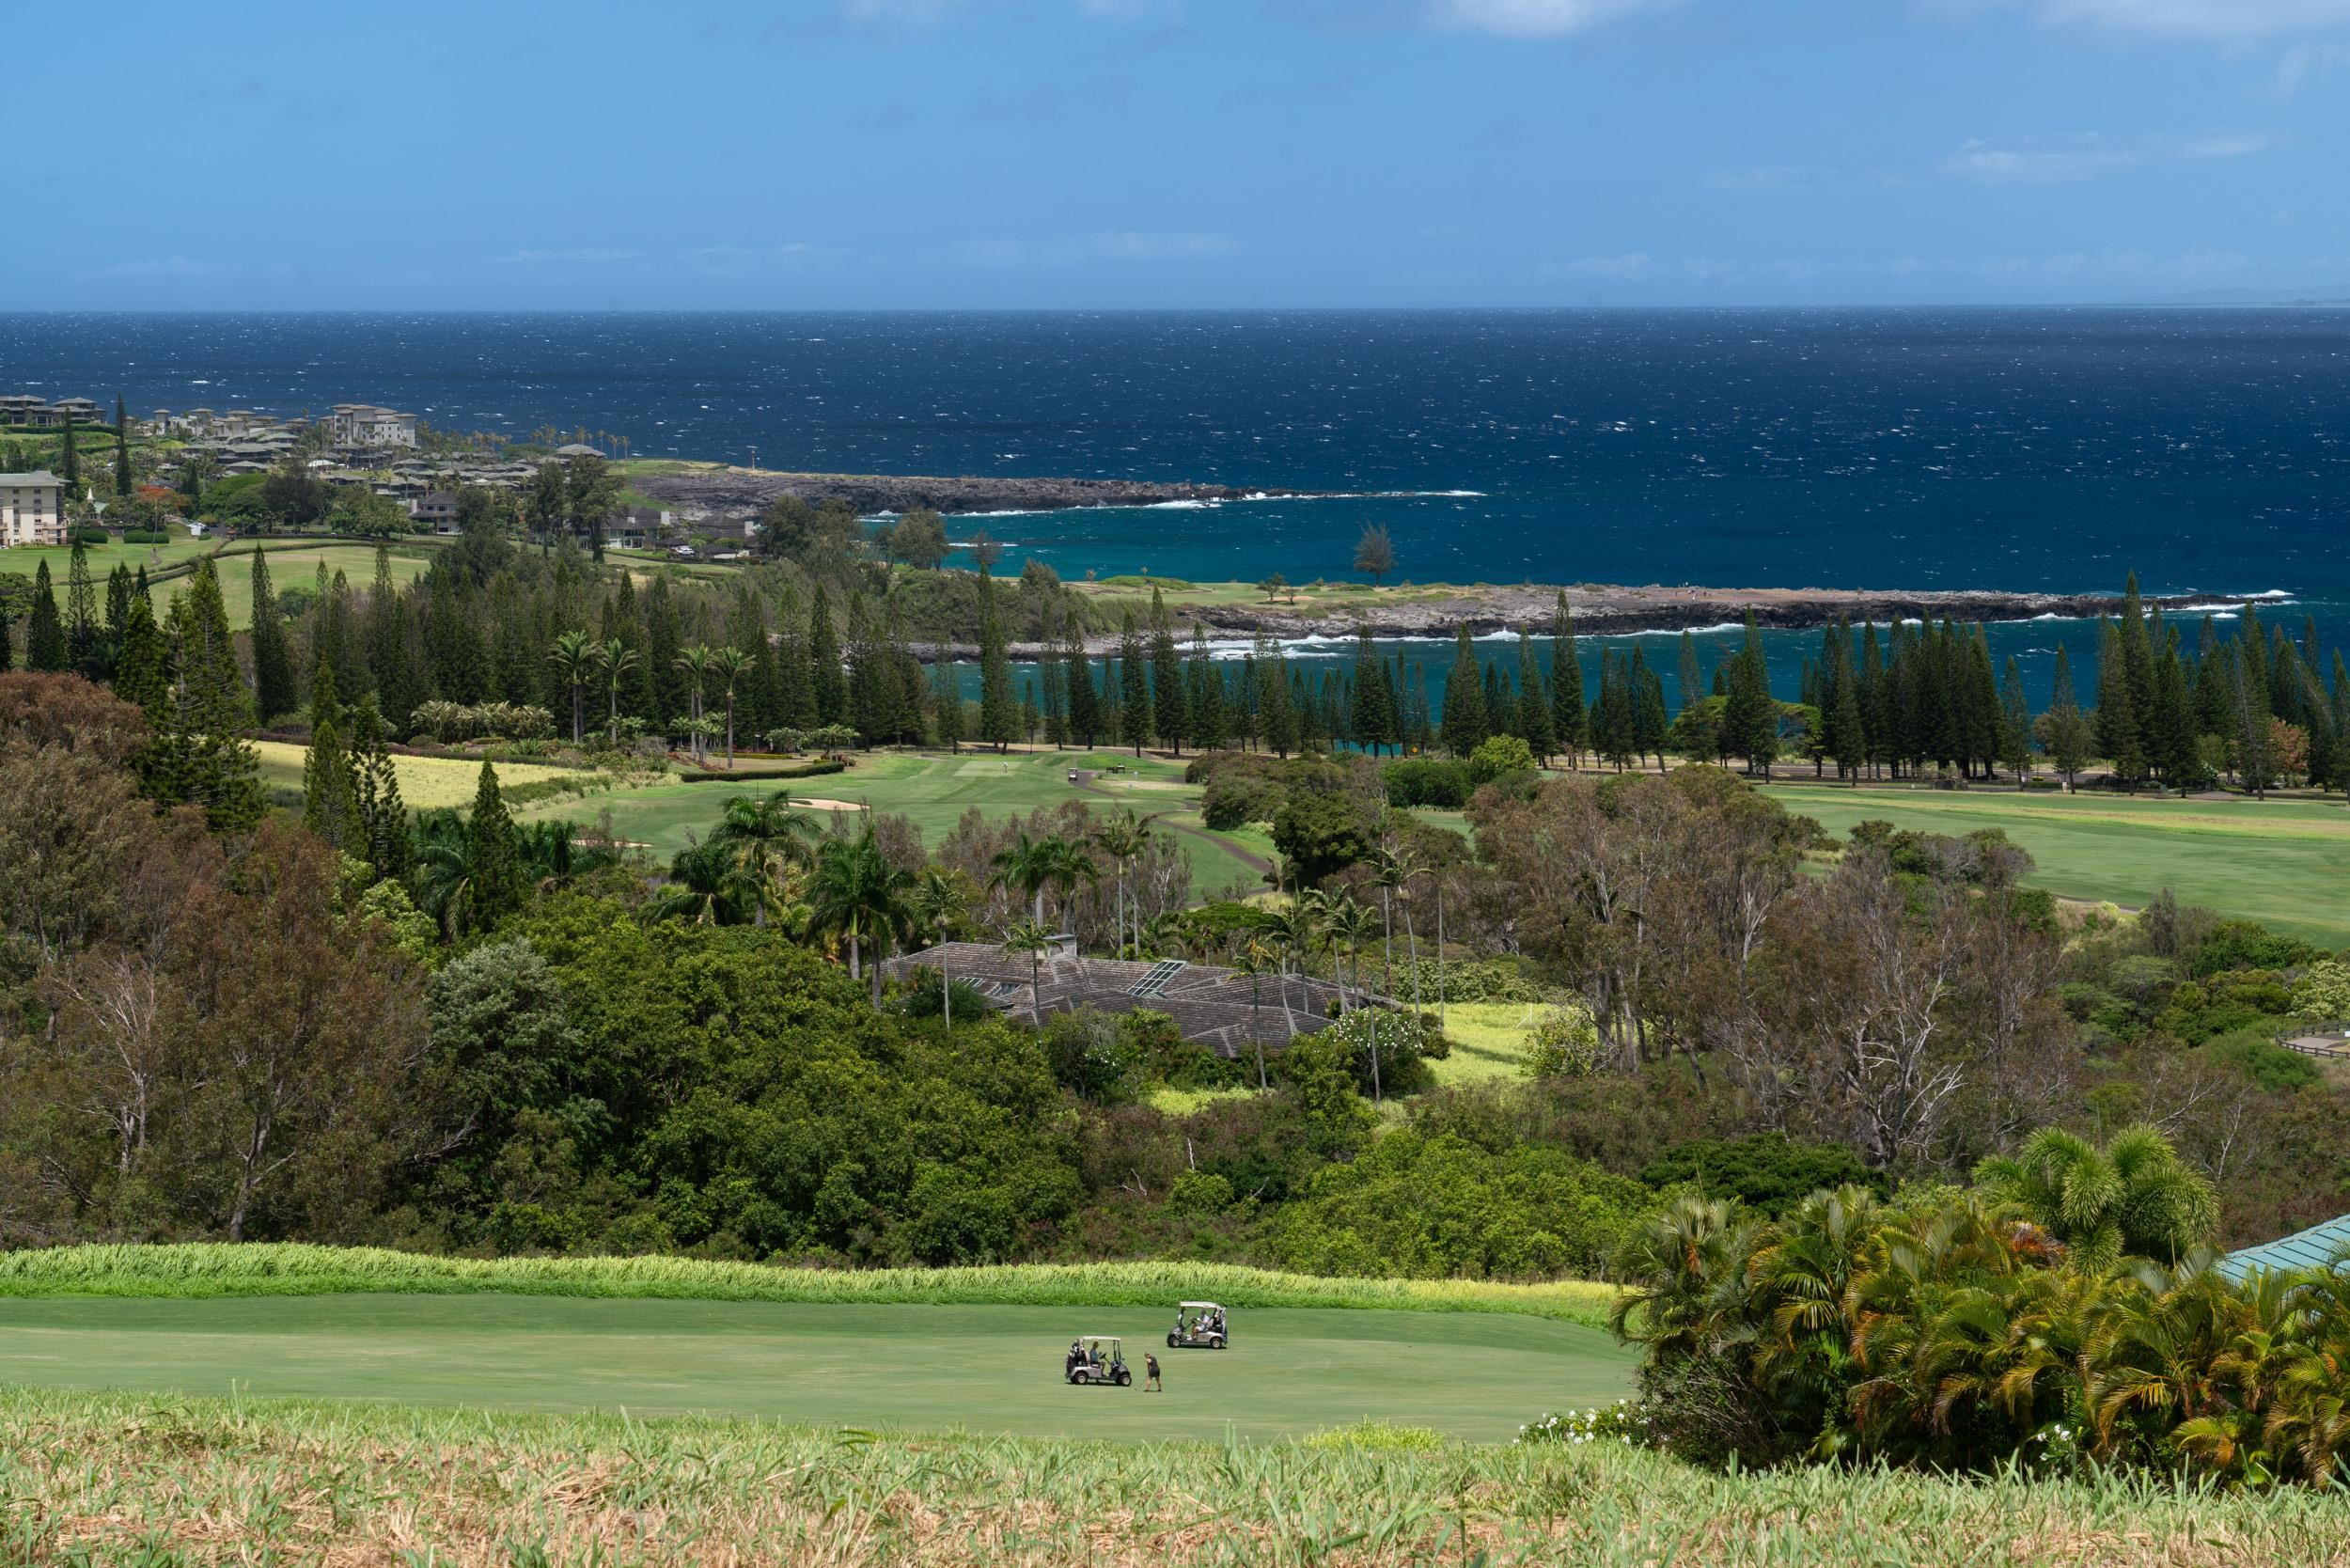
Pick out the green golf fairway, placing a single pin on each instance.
(2284, 863)
(1475, 1375)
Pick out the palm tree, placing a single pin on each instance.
(858, 893)
(1389, 871)
(729, 665)
(1070, 865)
(2133, 1197)
(938, 902)
(695, 661)
(1250, 959)
(765, 836)
(708, 886)
(444, 870)
(1027, 865)
(1350, 922)
(1122, 838)
(576, 658)
(1292, 930)
(1031, 937)
(615, 659)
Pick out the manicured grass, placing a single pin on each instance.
(2284, 863)
(429, 782)
(989, 1369)
(105, 558)
(1488, 1041)
(134, 1479)
(289, 568)
(934, 791)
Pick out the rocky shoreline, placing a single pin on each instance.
(736, 495)
(1604, 610)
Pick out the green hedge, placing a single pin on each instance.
(223, 1269)
(752, 775)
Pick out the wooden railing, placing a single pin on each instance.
(2317, 1039)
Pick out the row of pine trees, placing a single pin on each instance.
(2175, 703)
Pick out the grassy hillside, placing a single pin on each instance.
(2284, 863)
(428, 782)
(131, 1479)
(291, 567)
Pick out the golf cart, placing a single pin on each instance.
(1098, 1358)
(1199, 1325)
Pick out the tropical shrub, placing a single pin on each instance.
(1562, 1043)
(1769, 1173)
(1433, 781)
(1966, 1332)
(1430, 1208)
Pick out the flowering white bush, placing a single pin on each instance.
(1618, 1422)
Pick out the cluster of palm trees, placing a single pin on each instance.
(584, 665)
(2065, 1310)
(770, 864)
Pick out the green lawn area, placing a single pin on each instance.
(934, 791)
(105, 558)
(2284, 863)
(428, 782)
(1488, 1041)
(987, 1369)
(289, 568)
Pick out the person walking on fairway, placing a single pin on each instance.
(1151, 1384)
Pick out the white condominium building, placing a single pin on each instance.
(32, 508)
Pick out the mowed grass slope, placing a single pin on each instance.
(2284, 863)
(921, 1368)
(296, 567)
(934, 791)
(428, 782)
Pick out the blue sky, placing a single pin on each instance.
(1021, 153)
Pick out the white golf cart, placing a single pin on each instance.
(1199, 1325)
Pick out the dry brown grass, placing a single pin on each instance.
(117, 1478)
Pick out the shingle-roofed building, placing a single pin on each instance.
(1219, 1008)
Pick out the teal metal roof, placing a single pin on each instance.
(2315, 1248)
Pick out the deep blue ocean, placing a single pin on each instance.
(2210, 450)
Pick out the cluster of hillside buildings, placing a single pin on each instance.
(23, 410)
(355, 444)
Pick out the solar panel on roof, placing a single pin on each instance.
(1153, 980)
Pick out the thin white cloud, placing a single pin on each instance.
(1987, 165)
(898, 13)
(2305, 60)
(2210, 21)
(1536, 19)
(2065, 161)
(1121, 245)
(590, 256)
(1128, 245)
(1612, 269)
(1770, 177)
(172, 266)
